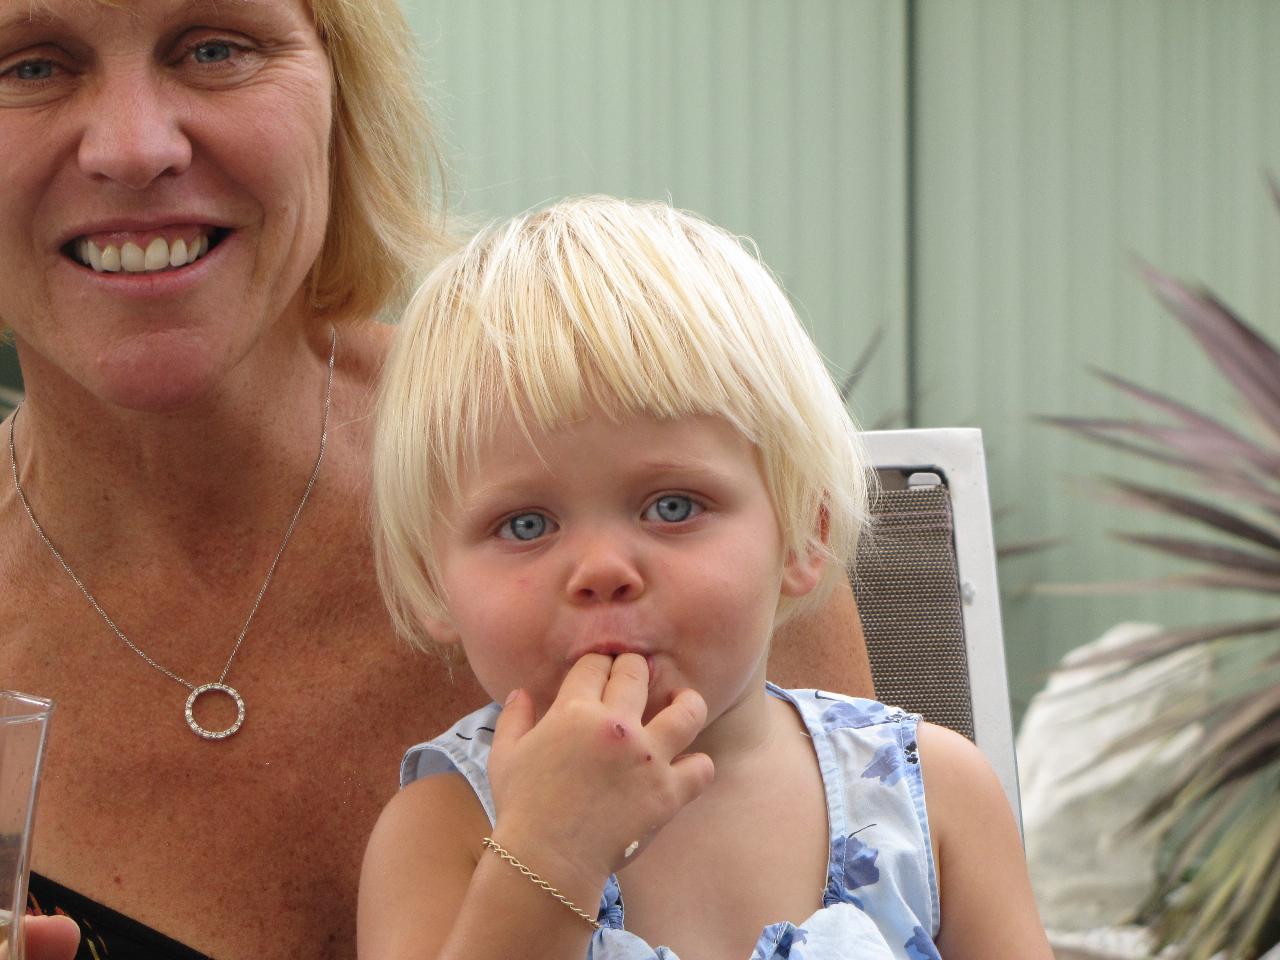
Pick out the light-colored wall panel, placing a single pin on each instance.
(1052, 141)
(1056, 141)
(781, 121)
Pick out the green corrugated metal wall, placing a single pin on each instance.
(970, 176)
(1055, 142)
(783, 121)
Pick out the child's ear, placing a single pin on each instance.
(801, 572)
(442, 631)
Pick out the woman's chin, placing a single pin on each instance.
(157, 377)
(169, 397)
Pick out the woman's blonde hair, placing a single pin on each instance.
(386, 189)
(596, 303)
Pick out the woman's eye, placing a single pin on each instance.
(526, 526)
(672, 508)
(213, 51)
(34, 70)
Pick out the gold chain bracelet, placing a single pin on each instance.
(497, 848)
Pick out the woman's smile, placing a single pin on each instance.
(148, 251)
(182, 186)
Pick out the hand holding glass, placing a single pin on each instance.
(24, 724)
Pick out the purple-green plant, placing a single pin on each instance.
(1218, 889)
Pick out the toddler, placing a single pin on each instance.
(609, 462)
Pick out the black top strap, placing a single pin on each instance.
(105, 934)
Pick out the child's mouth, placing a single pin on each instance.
(618, 649)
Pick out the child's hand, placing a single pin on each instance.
(577, 791)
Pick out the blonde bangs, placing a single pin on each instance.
(601, 305)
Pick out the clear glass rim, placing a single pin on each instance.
(36, 706)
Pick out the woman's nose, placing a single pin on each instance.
(133, 132)
(605, 572)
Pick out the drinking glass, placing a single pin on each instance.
(24, 724)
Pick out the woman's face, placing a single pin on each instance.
(164, 179)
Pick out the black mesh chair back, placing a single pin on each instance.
(908, 594)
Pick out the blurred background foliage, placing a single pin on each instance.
(1218, 880)
(973, 177)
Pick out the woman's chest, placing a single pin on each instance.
(249, 846)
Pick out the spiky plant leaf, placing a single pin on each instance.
(1177, 505)
(1227, 580)
(1234, 890)
(1190, 416)
(1166, 641)
(1022, 548)
(1244, 736)
(1206, 551)
(1197, 448)
(1219, 891)
(1249, 362)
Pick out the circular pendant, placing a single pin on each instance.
(200, 691)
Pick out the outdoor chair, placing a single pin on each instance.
(925, 580)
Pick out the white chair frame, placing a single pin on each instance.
(957, 455)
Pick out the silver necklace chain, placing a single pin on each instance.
(219, 685)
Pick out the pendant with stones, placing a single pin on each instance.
(197, 693)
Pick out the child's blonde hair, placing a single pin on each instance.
(632, 308)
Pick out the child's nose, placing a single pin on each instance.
(604, 574)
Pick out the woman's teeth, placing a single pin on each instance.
(131, 258)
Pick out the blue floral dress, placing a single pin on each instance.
(881, 899)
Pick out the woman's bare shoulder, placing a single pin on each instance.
(365, 344)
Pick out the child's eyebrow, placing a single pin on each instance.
(663, 471)
(690, 467)
(657, 469)
(486, 494)
(691, 464)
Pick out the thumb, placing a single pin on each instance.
(515, 720)
(694, 773)
(51, 938)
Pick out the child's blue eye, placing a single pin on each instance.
(672, 508)
(526, 526)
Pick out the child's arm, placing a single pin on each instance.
(571, 793)
(429, 889)
(988, 912)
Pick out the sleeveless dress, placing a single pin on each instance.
(881, 898)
